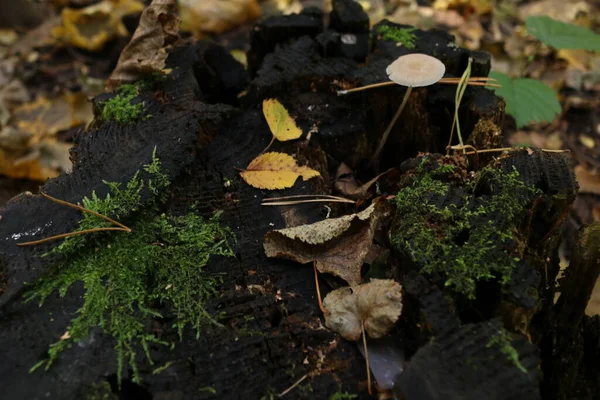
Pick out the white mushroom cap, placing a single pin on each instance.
(416, 70)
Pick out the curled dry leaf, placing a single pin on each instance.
(146, 52)
(346, 184)
(282, 125)
(92, 27)
(376, 304)
(275, 171)
(216, 16)
(337, 246)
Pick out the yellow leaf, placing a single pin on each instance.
(578, 58)
(92, 27)
(275, 171)
(216, 16)
(282, 126)
(240, 56)
(46, 117)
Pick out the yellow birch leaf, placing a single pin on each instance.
(282, 126)
(275, 171)
(91, 27)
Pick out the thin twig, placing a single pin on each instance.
(291, 203)
(301, 196)
(466, 146)
(501, 149)
(120, 226)
(321, 306)
(475, 81)
(472, 79)
(361, 88)
(268, 146)
(65, 235)
(299, 381)
(83, 209)
(469, 83)
(362, 327)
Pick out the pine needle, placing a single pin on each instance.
(120, 226)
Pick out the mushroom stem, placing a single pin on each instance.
(391, 125)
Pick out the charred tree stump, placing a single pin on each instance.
(501, 344)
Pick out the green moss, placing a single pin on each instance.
(127, 275)
(342, 396)
(503, 340)
(120, 109)
(399, 35)
(461, 235)
(99, 391)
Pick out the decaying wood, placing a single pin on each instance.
(272, 332)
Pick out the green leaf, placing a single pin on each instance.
(527, 100)
(561, 35)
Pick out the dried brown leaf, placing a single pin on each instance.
(337, 246)
(589, 181)
(146, 52)
(377, 304)
(347, 185)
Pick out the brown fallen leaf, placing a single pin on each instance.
(47, 116)
(92, 27)
(589, 182)
(28, 145)
(346, 184)
(146, 52)
(216, 16)
(275, 171)
(46, 160)
(337, 246)
(376, 304)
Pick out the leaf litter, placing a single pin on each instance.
(337, 246)
(91, 27)
(376, 304)
(146, 52)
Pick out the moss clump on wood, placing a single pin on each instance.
(120, 108)
(504, 341)
(126, 275)
(405, 36)
(462, 235)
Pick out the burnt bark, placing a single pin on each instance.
(272, 330)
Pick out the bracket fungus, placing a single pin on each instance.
(411, 70)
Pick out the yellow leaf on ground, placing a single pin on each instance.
(577, 58)
(216, 16)
(282, 126)
(275, 171)
(92, 27)
(46, 117)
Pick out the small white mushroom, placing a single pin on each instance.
(411, 70)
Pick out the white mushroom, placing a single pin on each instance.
(411, 70)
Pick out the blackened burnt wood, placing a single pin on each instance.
(113, 153)
(271, 330)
